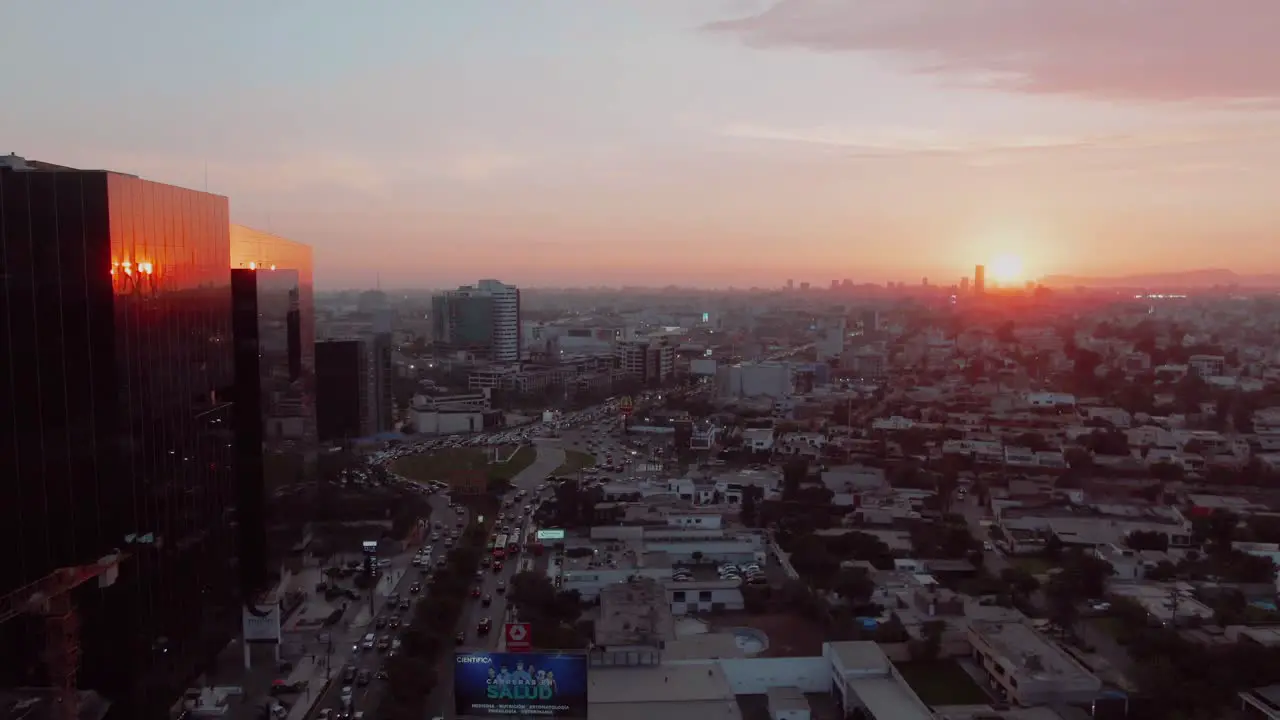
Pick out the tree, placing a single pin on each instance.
(854, 585)
(795, 472)
(1052, 546)
(1079, 458)
(1032, 441)
(811, 558)
(1022, 584)
(948, 482)
(751, 497)
(1147, 540)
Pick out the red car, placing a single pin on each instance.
(497, 566)
(475, 591)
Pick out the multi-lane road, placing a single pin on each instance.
(347, 636)
(550, 456)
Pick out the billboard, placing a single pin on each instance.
(261, 624)
(487, 684)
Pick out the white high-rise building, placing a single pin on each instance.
(506, 320)
(481, 319)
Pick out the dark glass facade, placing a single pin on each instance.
(273, 323)
(342, 386)
(115, 299)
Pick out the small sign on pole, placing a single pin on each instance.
(519, 637)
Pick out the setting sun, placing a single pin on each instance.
(1006, 268)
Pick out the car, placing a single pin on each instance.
(502, 587)
(484, 626)
(479, 575)
(393, 599)
(475, 591)
(460, 638)
(325, 714)
(497, 566)
(349, 674)
(987, 546)
(484, 561)
(363, 677)
(415, 588)
(394, 622)
(405, 604)
(487, 600)
(384, 643)
(380, 622)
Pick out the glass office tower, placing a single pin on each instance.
(275, 419)
(115, 296)
(342, 389)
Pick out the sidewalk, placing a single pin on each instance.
(312, 670)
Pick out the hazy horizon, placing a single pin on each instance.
(681, 142)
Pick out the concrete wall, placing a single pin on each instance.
(754, 676)
(783, 561)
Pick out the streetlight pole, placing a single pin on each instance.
(328, 658)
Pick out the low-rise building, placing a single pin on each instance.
(1027, 668)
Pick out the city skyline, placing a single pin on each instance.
(426, 145)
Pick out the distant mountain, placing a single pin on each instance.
(1171, 281)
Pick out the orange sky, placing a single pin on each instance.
(707, 142)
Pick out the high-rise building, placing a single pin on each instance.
(342, 390)
(964, 286)
(481, 319)
(979, 279)
(651, 361)
(273, 321)
(117, 308)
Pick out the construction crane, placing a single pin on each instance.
(50, 598)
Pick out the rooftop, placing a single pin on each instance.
(889, 697)
(620, 560)
(705, 646)
(859, 656)
(1024, 648)
(787, 699)
(685, 683)
(634, 613)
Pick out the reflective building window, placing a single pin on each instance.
(275, 418)
(116, 296)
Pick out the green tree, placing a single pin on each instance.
(854, 585)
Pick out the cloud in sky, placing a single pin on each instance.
(1119, 50)
(907, 141)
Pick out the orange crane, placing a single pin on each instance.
(50, 598)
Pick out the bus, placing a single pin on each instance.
(500, 547)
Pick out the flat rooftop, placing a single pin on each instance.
(890, 698)
(706, 646)
(698, 710)
(655, 687)
(1017, 643)
(618, 560)
(634, 613)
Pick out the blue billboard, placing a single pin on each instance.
(535, 684)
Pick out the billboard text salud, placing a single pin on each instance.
(520, 684)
